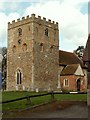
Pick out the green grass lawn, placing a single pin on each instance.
(15, 94)
(22, 103)
(72, 97)
(37, 100)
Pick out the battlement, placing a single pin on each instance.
(32, 18)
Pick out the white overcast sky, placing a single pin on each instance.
(72, 16)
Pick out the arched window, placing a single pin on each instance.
(19, 77)
(24, 47)
(19, 31)
(14, 48)
(46, 31)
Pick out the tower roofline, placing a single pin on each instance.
(31, 18)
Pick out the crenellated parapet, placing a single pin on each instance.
(31, 19)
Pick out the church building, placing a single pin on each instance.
(34, 61)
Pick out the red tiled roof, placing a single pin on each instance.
(69, 69)
(66, 58)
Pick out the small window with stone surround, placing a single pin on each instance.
(41, 47)
(14, 48)
(19, 77)
(19, 32)
(66, 82)
(24, 47)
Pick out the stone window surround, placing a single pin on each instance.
(42, 47)
(24, 45)
(20, 71)
(66, 82)
(46, 32)
(19, 31)
(50, 47)
(14, 48)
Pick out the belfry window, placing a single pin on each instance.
(19, 77)
(46, 31)
(19, 31)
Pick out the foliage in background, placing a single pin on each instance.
(4, 67)
(79, 51)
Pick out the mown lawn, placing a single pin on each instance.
(71, 97)
(16, 94)
(22, 103)
(37, 100)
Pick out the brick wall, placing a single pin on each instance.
(73, 83)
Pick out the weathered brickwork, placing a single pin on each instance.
(33, 50)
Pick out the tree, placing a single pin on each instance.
(4, 67)
(79, 51)
(4, 51)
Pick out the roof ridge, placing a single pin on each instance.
(67, 70)
(66, 51)
(78, 57)
(74, 64)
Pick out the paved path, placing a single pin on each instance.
(56, 110)
(74, 111)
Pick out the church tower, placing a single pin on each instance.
(33, 54)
